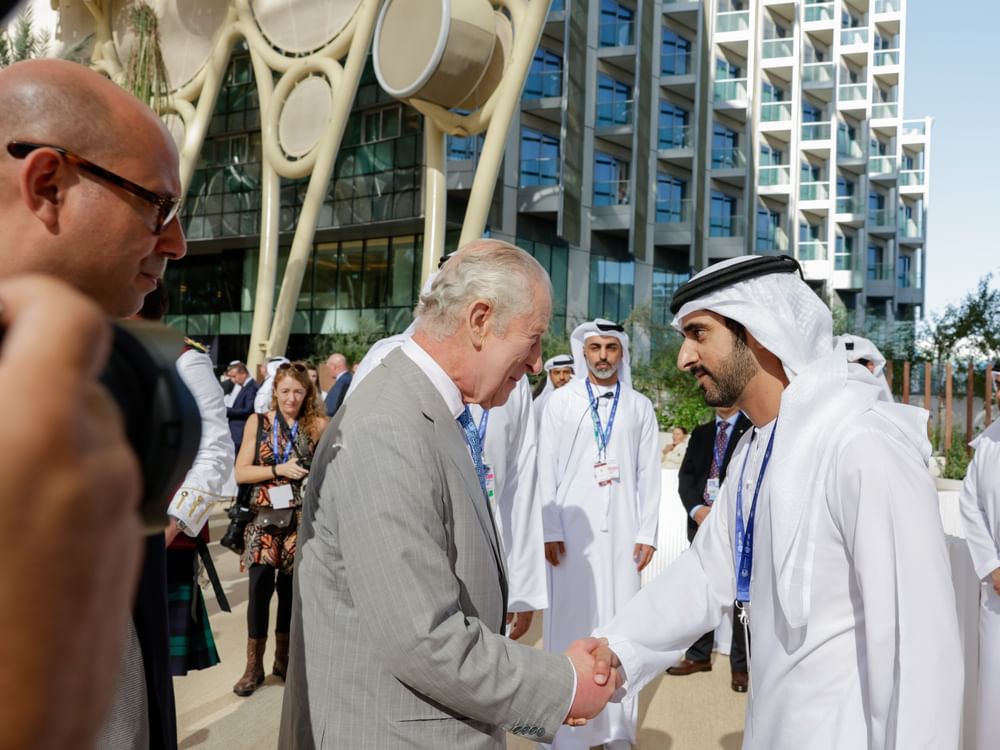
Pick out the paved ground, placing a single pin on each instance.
(690, 713)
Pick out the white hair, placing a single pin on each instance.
(492, 270)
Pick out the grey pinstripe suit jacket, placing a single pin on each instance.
(400, 590)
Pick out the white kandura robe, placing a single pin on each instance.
(979, 501)
(877, 665)
(510, 449)
(599, 526)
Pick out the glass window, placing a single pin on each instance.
(616, 25)
(675, 54)
(770, 156)
(614, 102)
(671, 193)
(673, 126)
(725, 70)
(722, 214)
(811, 113)
(539, 159)
(771, 93)
(768, 228)
(544, 76)
(610, 180)
(843, 252)
(612, 287)
(725, 147)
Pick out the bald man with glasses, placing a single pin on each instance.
(89, 193)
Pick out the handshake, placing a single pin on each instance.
(597, 678)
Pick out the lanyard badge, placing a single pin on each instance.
(743, 550)
(605, 472)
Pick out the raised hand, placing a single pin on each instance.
(596, 678)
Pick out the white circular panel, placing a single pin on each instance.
(304, 116)
(188, 30)
(300, 26)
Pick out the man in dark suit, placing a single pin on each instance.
(242, 406)
(337, 364)
(701, 474)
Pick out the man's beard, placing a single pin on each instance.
(602, 372)
(726, 384)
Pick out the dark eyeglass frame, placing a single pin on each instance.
(167, 206)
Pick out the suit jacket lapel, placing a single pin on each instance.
(454, 446)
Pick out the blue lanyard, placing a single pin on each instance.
(483, 421)
(274, 438)
(603, 437)
(744, 540)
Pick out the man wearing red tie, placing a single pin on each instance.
(701, 474)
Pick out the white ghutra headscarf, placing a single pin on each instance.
(599, 327)
(554, 363)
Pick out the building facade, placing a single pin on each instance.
(653, 139)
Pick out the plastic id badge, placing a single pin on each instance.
(491, 482)
(280, 496)
(712, 488)
(606, 472)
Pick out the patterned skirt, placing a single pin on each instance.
(192, 645)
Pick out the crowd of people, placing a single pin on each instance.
(414, 518)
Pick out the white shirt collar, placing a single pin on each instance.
(438, 377)
(731, 419)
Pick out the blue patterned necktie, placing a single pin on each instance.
(475, 447)
(721, 443)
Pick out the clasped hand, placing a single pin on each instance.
(597, 678)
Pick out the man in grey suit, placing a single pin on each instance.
(400, 585)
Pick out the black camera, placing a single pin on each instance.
(240, 515)
(162, 421)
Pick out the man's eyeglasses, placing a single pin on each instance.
(167, 205)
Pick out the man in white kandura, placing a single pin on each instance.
(558, 372)
(980, 504)
(599, 483)
(831, 521)
(508, 435)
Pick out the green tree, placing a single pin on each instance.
(24, 41)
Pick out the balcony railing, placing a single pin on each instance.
(909, 280)
(885, 110)
(611, 192)
(733, 20)
(616, 34)
(676, 64)
(910, 228)
(853, 37)
(880, 271)
(887, 6)
(885, 57)
(853, 92)
(771, 48)
(675, 136)
(814, 191)
(728, 158)
(819, 12)
(775, 240)
(731, 89)
(914, 127)
(849, 149)
(544, 84)
(847, 204)
(881, 217)
(726, 226)
(817, 72)
(812, 250)
(673, 211)
(541, 171)
(614, 113)
(775, 111)
(774, 174)
(910, 177)
(881, 164)
(815, 131)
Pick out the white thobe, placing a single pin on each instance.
(979, 501)
(210, 478)
(510, 450)
(877, 665)
(538, 407)
(599, 525)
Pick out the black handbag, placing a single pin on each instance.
(276, 521)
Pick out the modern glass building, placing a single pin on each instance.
(653, 139)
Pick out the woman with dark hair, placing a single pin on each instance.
(274, 458)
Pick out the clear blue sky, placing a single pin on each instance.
(950, 75)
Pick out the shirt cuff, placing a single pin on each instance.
(694, 510)
(574, 690)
